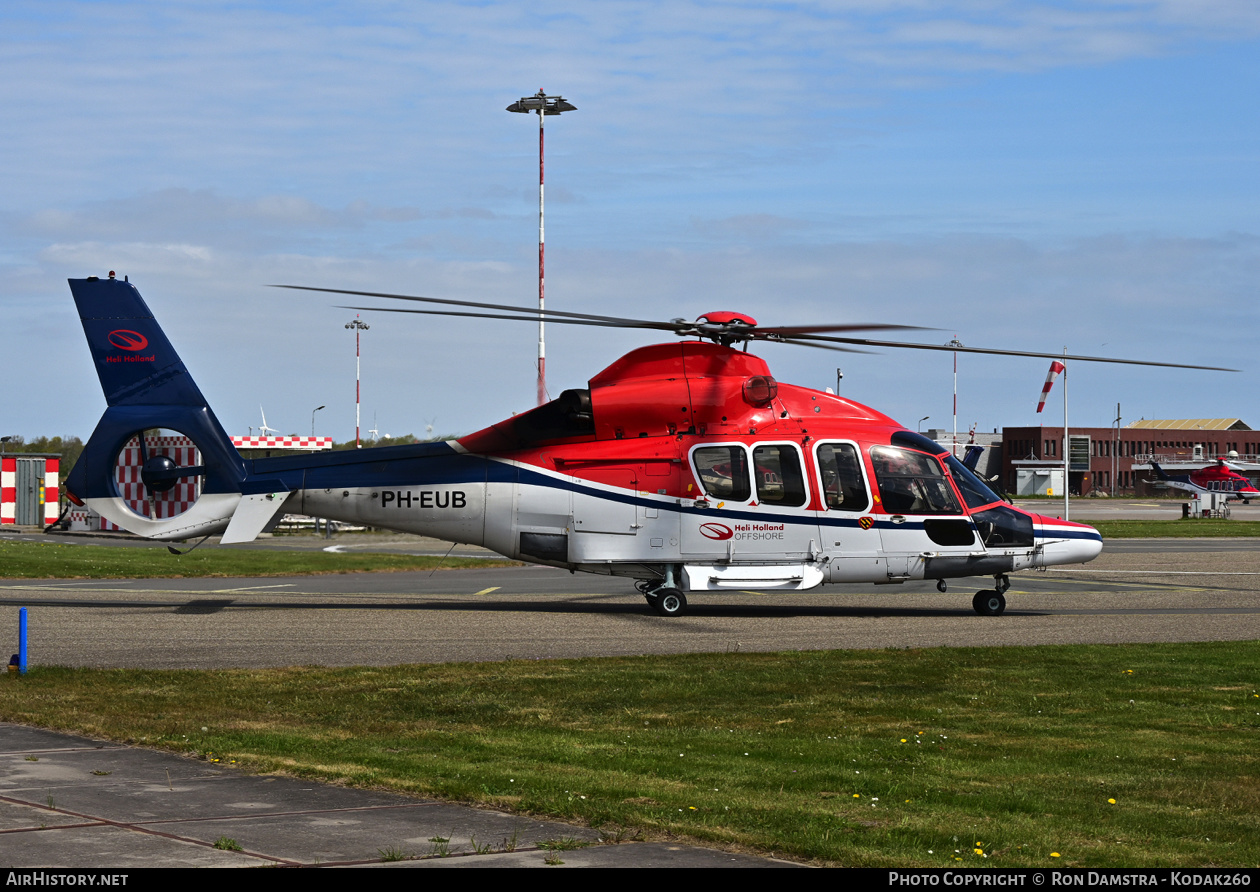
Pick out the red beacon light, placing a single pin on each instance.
(759, 390)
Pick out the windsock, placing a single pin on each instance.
(1055, 368)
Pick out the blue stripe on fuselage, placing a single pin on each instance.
(391, 466)
(440, 463)
(1091, 533)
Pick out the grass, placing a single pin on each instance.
(1175, 529)
(873, 758)
(30, 560)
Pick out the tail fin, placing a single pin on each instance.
(1160, 472)
(136, 363)
(147, 386)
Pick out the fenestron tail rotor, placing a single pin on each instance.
(159, 473)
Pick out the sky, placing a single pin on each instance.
(1024, 175)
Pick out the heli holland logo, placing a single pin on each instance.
(719, 531)
(866, 522)
(126, 339)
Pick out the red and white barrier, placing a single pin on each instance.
(8, 489)
(312, 444)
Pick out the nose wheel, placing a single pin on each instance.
(992, 602)
(989, 603)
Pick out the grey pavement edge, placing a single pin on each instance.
(69, 801)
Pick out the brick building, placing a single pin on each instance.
(1117, 460)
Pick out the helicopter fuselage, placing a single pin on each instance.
(686, 466)
(691, 454)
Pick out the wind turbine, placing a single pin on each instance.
(264, 429)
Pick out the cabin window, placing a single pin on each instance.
(723, 472)
(842, 482)
(912, 483)
(777, 470)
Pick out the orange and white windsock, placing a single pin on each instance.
(1055, 368)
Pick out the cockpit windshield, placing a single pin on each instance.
(974, 491)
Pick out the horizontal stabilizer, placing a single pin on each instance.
(252, 515)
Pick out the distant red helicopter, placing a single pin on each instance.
(685, 466)
(1220, 477)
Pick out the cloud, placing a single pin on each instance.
(265, 222)
(1160, 298)
(193, 93)
(1018, 172)
(749, 226)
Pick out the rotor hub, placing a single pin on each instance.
(159, 473)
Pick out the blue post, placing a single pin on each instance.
(22, 641)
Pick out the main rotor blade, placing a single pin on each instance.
(792, 331)
(804, 335)
(796, 343)
(550, 315)
(533, 318)
(533, 312)
(865, 342)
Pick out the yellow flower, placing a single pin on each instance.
(1054, 854)
(856, 796)
(1112, 801)
(903, 740)
(979, 851)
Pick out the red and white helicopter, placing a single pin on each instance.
(685, 466)
(1220, 477)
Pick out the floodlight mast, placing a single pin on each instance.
(358, 326)
(954, 342)
(544, 105)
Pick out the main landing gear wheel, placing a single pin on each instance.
(669, 602)
(989, 603)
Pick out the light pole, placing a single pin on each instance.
(358, 326)
(544, 105)
(1115, 454)
(921, 420)
(954, 342)
(1067, 448)
(313, 411)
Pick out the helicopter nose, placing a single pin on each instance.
(1067, 542)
